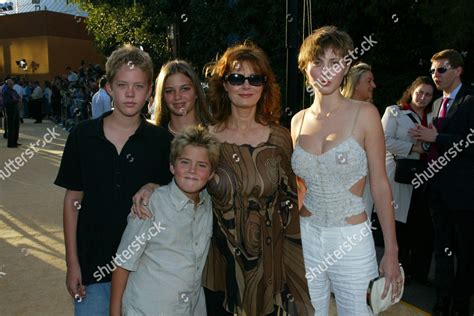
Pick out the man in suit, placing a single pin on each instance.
(451, 142)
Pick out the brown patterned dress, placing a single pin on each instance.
(256, 256)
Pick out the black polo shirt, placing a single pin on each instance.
(91, 164)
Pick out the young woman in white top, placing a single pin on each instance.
(337, 141)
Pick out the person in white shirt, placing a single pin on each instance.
(101, 101)
(36, 102)
(47, 92)
(71, 75)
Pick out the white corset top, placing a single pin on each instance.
(329, 178)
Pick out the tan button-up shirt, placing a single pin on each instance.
(166, 255)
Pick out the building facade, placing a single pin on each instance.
(39, 44)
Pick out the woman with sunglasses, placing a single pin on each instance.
(337, 140)
(410, 201)
(255, 264)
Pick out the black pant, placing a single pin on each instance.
(454, 236)
(35, 109)
(13, 124)
(415, 237)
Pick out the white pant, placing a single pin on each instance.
(341, 258)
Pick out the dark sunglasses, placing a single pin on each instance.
(238, 79)
(440, 70)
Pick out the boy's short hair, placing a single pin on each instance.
(326, 37)
(197, 136)
(131, 56)
(102, 82)
(453, 56)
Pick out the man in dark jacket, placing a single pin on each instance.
(452, 187)
(10, 102)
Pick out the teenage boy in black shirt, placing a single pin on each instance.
(105, 161)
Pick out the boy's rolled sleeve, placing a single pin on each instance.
(133, 242)
(70, 175)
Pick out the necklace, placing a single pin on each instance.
(173, 132)
(320, 115)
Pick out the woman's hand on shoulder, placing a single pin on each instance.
(141, 200)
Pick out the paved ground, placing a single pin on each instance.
(32, 266)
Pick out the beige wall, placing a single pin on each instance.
(52, 40)
(31, 49)
(53, 54)
(65, 52)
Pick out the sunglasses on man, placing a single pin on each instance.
(238, 79)
(440, 70)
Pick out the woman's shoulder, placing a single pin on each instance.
(279, 131)
(296, 119)
(367, 110)
(393, 111)
(217, 131)
(280, 136)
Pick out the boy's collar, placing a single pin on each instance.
(180, 200)
(99, 124)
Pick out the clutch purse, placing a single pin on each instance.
(406, 169)
(374, 294)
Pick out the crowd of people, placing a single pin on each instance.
(249, 209)
(66, 100)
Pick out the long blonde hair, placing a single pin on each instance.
(162, 113)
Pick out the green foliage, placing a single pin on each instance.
(408, 32)
(205, 28)
(114, 23)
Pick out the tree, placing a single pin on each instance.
(114, 23)
(407, 32)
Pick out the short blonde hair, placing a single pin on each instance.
(196, 136)
(132, 56)
(353, 78)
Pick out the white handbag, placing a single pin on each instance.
(374, 294)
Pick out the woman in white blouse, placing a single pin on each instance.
(413, 221)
